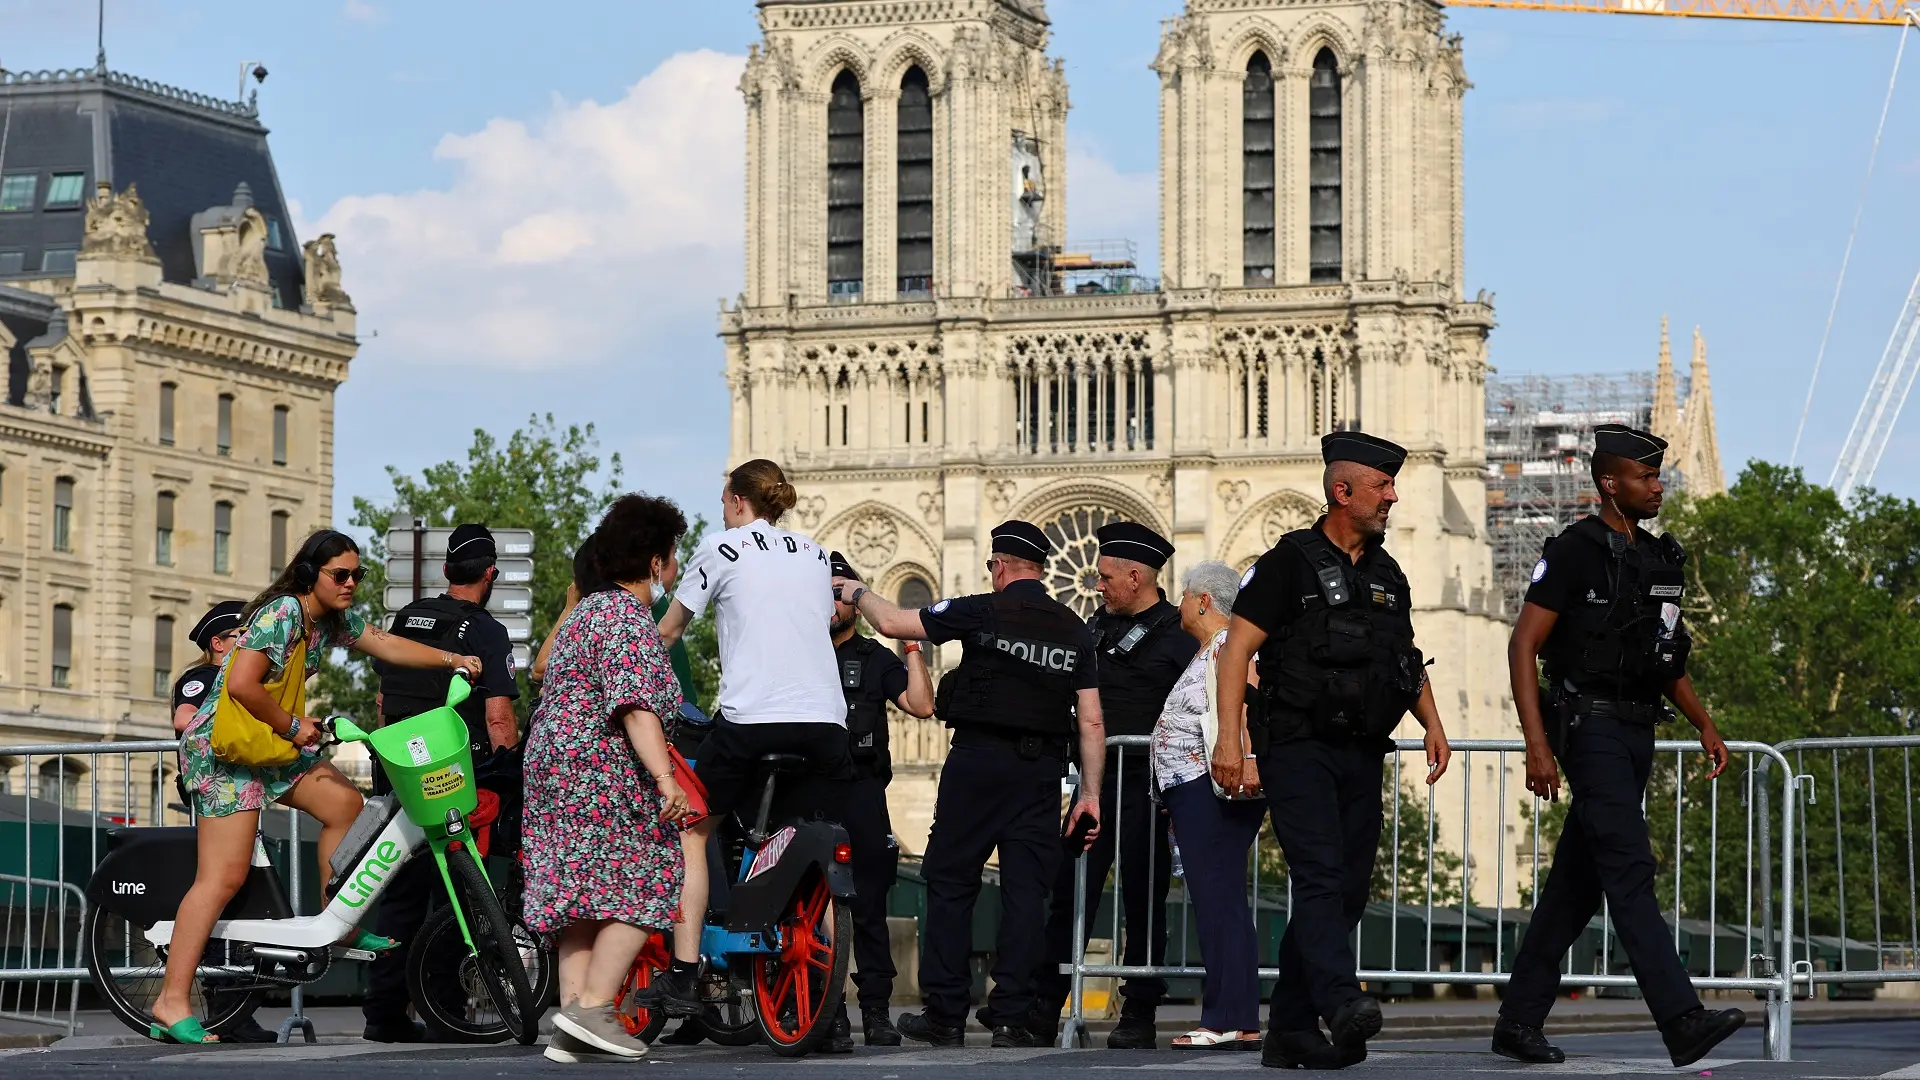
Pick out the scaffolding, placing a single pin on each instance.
(1539, 439)
(1097, 267)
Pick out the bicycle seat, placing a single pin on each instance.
(783, 762)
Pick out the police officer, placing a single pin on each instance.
(1027, 670)
(872, 676)
(457, 621)
(1143, 650)
(1329, 613)
(1604, 612)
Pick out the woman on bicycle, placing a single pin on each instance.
(311, 601)
(771, 594)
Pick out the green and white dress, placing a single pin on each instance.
(220, 787)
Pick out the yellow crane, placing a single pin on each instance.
(1857, 12)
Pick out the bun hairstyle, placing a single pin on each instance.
(765, 488)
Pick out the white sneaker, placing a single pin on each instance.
(599, 1029)
(568, 1050)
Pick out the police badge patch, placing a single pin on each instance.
(192, 689)
(1247, 578)
(940, 607)
(1539, 570)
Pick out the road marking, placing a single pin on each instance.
(1911, 1072)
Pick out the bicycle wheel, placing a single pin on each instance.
(496, 956)
(445, 982)
(730, 1023)
(128, 971)
(797, 990)
(643, 1024)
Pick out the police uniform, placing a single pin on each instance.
(1616, 645)
(462, 628)
(871, 675)
(1338, 671)
(1010, 704)
(1141, 656)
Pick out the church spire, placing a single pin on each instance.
(1665, 422)
(1701, 461)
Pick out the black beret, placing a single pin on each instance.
(1022, 540)
(470, 542)
(1368, 450)
(1129, 540)
(219, 619)
(842, 568)
(1630, 443)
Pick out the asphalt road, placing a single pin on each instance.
(1878, 1049)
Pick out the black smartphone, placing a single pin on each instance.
(1074, 838)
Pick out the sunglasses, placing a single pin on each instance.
(341, 575)
(991, 563)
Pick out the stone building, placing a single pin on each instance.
(914, 343)
(167, 433)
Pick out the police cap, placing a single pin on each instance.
(1133, 541)
(470, 542)
(1368, 450)
(1630, 443)
(219, 619)
(842, 568)
(1022, 540)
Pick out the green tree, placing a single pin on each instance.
(1399, 866)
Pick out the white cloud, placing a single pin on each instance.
(361, 11)
(1104, 203)
(561, 242)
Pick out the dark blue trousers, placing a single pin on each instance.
(1214, 835)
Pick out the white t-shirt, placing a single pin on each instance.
(771, 593)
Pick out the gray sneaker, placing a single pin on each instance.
(568, 1050)
(599, 1029)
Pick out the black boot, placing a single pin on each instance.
(1690, 1037)
(1136, 1030)
(1523, 1042)
(250, 1031)
(839, 1038)
(877, 1023)
(922, 1028)
(1299, 1050)
(1044, 1023)
(1353, 1024)
(1008, 1037)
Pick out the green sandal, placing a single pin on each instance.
(364, 941)
(186, 1032)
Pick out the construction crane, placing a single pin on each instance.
(1880, 409)
(1856, 12)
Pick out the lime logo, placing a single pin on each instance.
(373, 872)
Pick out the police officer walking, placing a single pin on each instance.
(1330, 615)
(1604, 613)
(458, 622)
(1026, 674)
(1143, 650)
(872, 676)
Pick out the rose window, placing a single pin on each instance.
(1072, 574)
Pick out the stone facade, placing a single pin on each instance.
(913, 423)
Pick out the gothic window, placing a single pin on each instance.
(162, 655)
(163, 529)
(1324, 169)
(846, 190)
(915, 594)
(1080, 395)
(1257, 149)
(63, 514)
(62, 674)
(915, 208)
(1072, 572)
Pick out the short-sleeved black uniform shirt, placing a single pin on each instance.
(486, 639)
(952, 619)
(193, 686)
(1575, 571)
(883, 678)
(1135, 688)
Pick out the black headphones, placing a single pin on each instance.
(306, 565)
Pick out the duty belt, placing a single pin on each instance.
(1633, 712)
(1028, 745)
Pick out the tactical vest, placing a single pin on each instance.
(1347, 668)
(1634, 645)
(1131, 696)
(866, 717)
(441, 622)
(1017, 673)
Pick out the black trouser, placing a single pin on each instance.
(1325, 803)
(1604, 851)
(876, 861)
(990, 797)
(1139, 832)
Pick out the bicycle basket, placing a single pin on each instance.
(429, 761)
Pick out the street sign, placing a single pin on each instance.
(506, 599)
(433, 577)
(506, 542)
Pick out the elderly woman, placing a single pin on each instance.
(1214, 833)
(602, 831)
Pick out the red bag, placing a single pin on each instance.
(689, 782)
(481, 820)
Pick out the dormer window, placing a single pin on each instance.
(58, 260)
(16, 191)
(66, 190)
(275, 239)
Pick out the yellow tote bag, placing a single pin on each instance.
(239, 739)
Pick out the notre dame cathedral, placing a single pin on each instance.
(929, 353)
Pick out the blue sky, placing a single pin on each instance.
(541, 213)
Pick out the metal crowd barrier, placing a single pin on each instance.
(1710, 875)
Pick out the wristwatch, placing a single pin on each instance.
(858, 592)
(293, 730)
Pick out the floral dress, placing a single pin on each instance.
(220, 788)
(593, 844)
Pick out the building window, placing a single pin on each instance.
(62, 674)
(846, 190)
(166, 413)
(1256, 155)
(223, 437)
(63, 514)
(58, 260)
(915, 208)
(13, 262)
(278, 544)
(275, 238)
(915, 594)
(162, 655)
(66, 190)
(16, 191)
(60, 781)
(1324, 166)
(222, 537)
(279, 434)
(163, 529)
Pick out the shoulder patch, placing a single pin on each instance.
(941, 607)
(1539, 570)
(1247, 578)
(193, 688)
